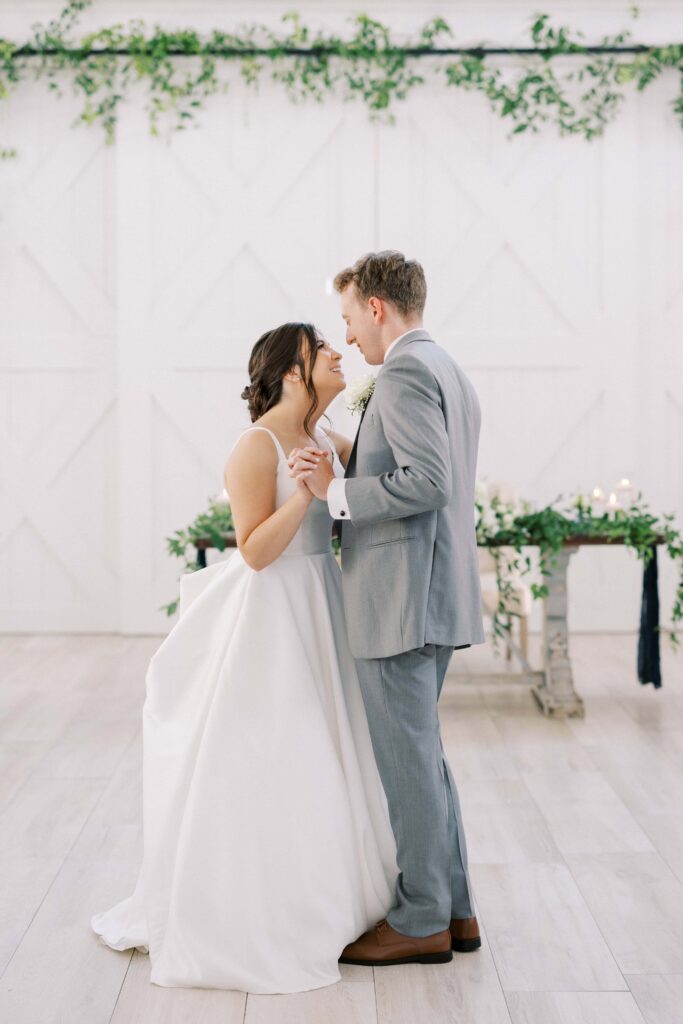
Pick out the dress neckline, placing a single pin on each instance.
(280, 449)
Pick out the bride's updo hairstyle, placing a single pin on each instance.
(274, 354)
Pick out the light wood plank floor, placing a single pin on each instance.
(574, 830)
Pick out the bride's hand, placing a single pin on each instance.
(303, 461)
(303, 490)
(314, 466)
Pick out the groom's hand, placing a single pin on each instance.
(313, 467)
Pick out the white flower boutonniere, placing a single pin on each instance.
(358, 393)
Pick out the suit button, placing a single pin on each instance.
(343, 512)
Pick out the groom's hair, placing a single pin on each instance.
(387, 275)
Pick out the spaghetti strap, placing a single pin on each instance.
(281, 451)
(329, 440)
(279, 447)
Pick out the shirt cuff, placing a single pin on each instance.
(336, 499)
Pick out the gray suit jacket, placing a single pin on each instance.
(410, 572)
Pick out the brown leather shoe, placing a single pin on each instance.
(464, 933)
(383, 945)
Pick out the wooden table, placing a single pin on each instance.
(553, 684)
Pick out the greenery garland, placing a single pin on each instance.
(506, 527)
(369, 65)
(215, 525)
(502, 527)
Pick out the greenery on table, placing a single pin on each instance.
(181, 69)
(506, 529)
(214, 525)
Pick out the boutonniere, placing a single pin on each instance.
(358, 394)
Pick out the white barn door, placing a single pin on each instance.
(59, 558)
(134, 281)
(223, 233)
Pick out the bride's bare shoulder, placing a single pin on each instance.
(253, 450)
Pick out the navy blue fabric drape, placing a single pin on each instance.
(649, 670)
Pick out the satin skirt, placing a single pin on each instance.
(267, 840)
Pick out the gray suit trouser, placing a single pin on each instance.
(400, 694)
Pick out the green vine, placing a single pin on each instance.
(181, 69)
(503, 528)
(215, 525)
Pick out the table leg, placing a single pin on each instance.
(555, 693)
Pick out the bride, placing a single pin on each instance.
(267, 841)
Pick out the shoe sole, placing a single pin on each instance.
(425, 958)
(465, 945)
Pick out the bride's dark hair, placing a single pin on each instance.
(274, 354)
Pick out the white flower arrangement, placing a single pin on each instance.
(496, 509)
(359, 392)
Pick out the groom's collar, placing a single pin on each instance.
(416, 334)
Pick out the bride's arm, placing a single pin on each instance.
(250, 477)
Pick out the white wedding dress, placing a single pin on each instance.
(267, 842)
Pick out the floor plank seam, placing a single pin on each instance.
(64, 860)
(123, 982)
(576, 883)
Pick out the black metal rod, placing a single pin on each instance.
(317, 51)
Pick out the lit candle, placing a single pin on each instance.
(624, 492)
(222, 498)
(597, 501)
(613, 505)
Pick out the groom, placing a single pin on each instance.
(411, 593)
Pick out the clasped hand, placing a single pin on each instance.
(312, 467)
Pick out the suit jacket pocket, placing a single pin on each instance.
(389, 531)
(381, 543)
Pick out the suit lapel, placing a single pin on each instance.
(419, 334)
(352, 456)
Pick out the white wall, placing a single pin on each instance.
(135, 279)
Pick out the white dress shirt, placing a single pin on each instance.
(336, 492)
